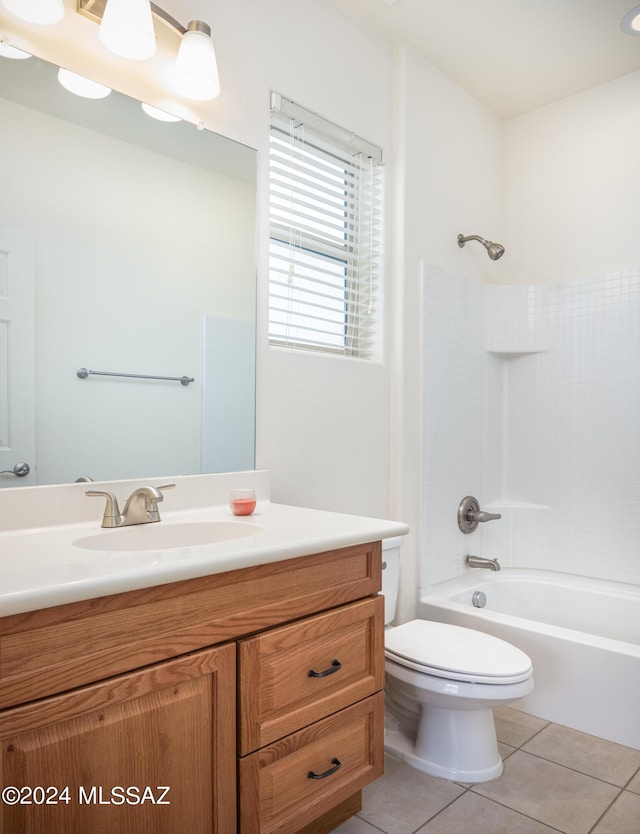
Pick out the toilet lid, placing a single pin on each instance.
(452, 651)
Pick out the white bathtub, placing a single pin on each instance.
(582, 635)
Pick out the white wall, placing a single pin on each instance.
(322, 425)
(571, 180)
(448, 162)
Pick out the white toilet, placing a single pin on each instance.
(442, 682)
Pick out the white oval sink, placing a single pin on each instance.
(159, 536)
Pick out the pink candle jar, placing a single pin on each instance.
(242, 501)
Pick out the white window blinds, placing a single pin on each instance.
(325, 214)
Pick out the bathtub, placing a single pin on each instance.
(582, 635)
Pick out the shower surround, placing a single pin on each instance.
(531, 402)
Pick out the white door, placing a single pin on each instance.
(17, 369)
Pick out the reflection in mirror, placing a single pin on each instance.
(127, 245)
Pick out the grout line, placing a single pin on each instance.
(629, 781)
(606, 811)
(448, 805)
(575, 770)
(521, 813)
(366, 822)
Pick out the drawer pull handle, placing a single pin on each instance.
(335, 667)
(336, 766)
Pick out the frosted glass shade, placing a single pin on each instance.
(36, 11)
(196, 70)
(81, 86)
(127, 29)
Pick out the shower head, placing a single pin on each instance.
(494, 250)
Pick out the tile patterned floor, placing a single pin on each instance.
(555, 780)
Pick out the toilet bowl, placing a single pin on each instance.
(442, 682)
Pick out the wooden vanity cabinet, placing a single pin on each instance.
(238, 692)
(146, 752)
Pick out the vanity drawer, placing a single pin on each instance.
(344, 752)
(294, 675)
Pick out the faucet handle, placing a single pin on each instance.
(158, 496)
(482, 516)
(470, 514)
(160, 487)
(112, 517)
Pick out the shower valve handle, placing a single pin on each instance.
(470, 515)
(481, 516)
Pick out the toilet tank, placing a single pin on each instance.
(390, 576)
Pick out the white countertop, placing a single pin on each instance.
(42, 567)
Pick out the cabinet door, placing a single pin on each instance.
(150, 752)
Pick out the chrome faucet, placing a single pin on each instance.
(141, 506)
(481, 562)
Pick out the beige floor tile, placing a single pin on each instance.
(554, 795)
(623, 817)
(634, 784)
(595, 756)
(505, 750)
(355, 826)
(473, 813)
(404, 799)
(514, 727)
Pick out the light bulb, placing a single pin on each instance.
(196, 70)
(36, 11)
(81, 86)
(127, 29)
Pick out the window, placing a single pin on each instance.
(325, 221)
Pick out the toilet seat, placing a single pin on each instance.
(456, 653)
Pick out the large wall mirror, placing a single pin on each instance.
(127, 246)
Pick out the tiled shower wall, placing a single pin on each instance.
(532, 404)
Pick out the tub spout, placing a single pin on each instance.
(481, 562)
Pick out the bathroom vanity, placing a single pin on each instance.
(247, 699)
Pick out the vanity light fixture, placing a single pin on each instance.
(81, 86)
(36, 11)
(127, 29)
(630, 23)
(196, 72)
